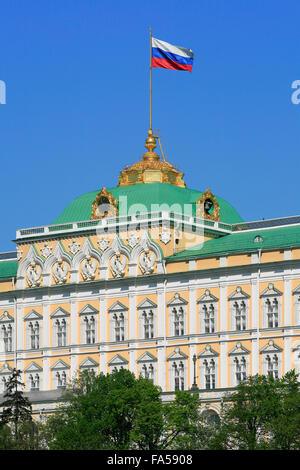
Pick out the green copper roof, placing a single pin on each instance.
(242, 242)
(146, 198)
(8, 268)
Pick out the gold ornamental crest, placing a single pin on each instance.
(105, 205)
(207, 206)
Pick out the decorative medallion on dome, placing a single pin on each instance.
(105, 205)
(151, 169)
(207, 206)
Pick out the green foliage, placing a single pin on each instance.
(114, 411)
(17, 428)
(263, 413)
(118, 411)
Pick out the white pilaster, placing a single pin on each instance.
(132, 315)
(46, 326)
(46, 373)
(161, 368)
(287, 354)
(287, 302)
(223, 308)
(21, 327)
(223, 364)
(161, 314)
(73, 366)
(132, 360)
(73, 338)
(192, 310)
(103, 320)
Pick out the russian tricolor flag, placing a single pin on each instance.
(167, 56)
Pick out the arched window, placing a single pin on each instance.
(34, 329)
(240, 369)
(147, 371)
(178, 369)
(119, 326)
(7, 337)
(34, 380)
(272, 312)
(61, 379)
(61, 331)
(148, 323)
(209, 318)
(210, 374)
(272, 365)
(178, 318)
(240, 315)
(90, 332)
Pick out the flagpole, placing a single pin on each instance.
(150, 82)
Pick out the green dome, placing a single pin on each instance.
(146, 198)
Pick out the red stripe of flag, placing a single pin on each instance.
(170, 64)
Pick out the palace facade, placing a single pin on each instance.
(154, 277)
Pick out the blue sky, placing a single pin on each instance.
(76, 111)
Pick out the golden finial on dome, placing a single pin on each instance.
(151, 169)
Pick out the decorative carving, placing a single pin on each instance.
(207, 206)
(105, 205)
(132, 240)
(34, 272)
(88, 269)
(118, 265)
(151, 169)
(46, 250)
(74, 247)
(60, 271)
(103, 243)
(147, 261)
(165, 235)
(19, 254)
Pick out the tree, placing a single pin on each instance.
(17, 426)
(263, 413)
(113, 411)
(119, 411)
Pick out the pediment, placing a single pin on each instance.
(238, 349)
(117, 360)
(207, 297)
(238, 294)
(6, 369)
(208, 352)
(117, 307)
(147, 303)
(176, 355)
(270, 347)
(147, 357)
(60, 312)
(6, 317)
(88, 362)
(176, 300)
(59, 365)
(33, 367)
(88, 310)
(296, 291)
(33, 315)
(270, 291)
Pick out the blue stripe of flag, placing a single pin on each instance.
(160, 54)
